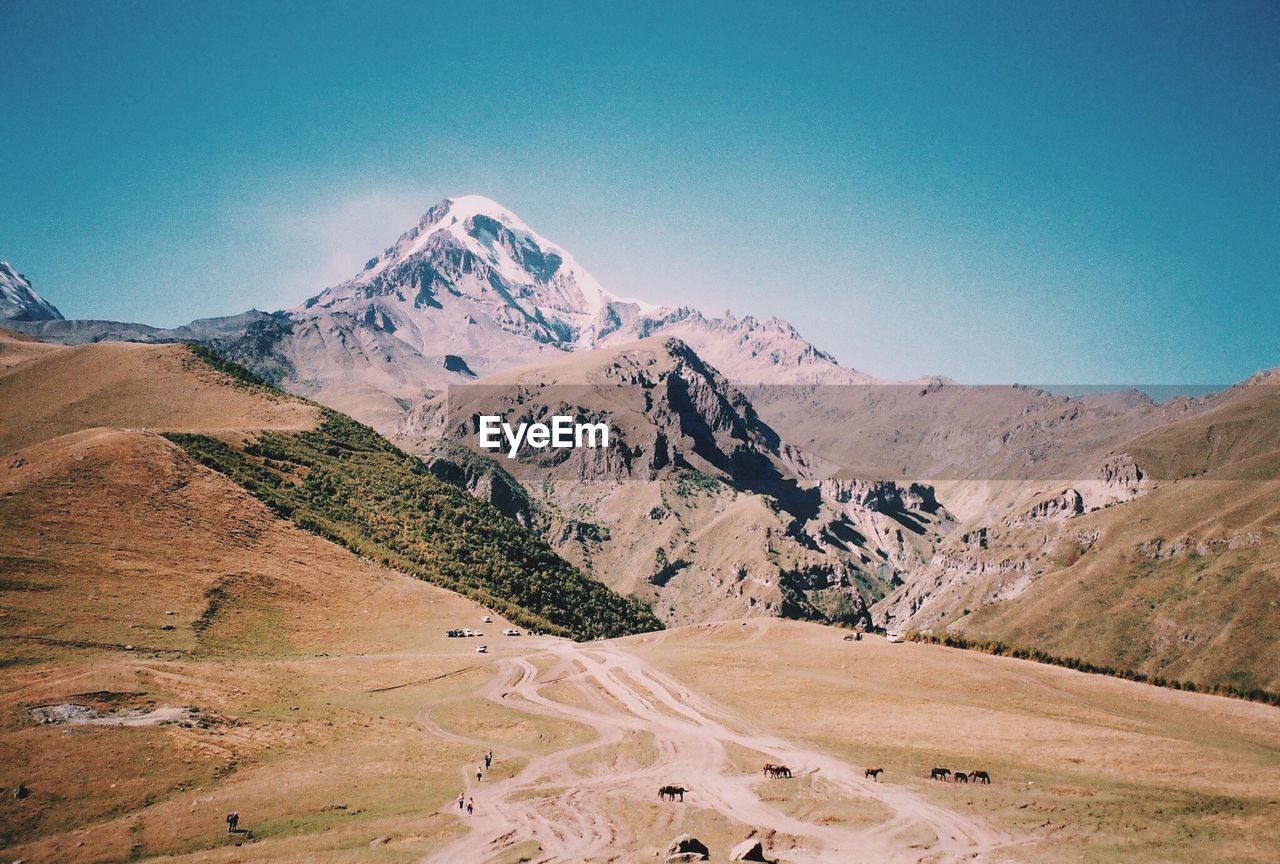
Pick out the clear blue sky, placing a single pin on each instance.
(1018, 191)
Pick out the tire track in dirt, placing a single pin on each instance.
(568, 813)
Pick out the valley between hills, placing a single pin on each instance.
(199, 618)
(759, 477)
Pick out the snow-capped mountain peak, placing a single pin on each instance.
(514, 251)
(472, 289)
(470, 260)
(19, 301)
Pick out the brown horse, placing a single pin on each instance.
(768, 768)
(873, 773)
(981, 777)
(672, 792)
(940, 774)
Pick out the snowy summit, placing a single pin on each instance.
(19, 301)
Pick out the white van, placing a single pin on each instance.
(894, 637)
(511, 631)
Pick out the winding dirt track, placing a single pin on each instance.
(570, 814)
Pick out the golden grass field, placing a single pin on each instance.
(1091, 768)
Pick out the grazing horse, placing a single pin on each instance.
(768, 768)
(873, 773)
(981, 777)
(779, 771)
(961, 777)
(940, 774)
(672, 792)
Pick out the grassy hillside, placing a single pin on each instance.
(61, 390)
(134, 580)
(345, 482)
(1182, 584)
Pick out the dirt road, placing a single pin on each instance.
(572, 815)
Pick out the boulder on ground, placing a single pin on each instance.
(748, 850)
(686, 847)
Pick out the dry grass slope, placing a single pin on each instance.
(157, 387)
(135, 574)
(1180, 583)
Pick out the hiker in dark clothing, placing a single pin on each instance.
(478, 773)
(233, 821)
(471, 806)
(461, 801)
(488, 760)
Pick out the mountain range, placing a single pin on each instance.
(757, 475)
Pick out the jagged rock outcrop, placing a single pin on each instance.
(747, 350)
(1117, 480)
(1162, 550)
(744, 526)
(1056, 508)
(485, 481)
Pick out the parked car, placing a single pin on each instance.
(894, 637)
(482, 649)
(487, 619)
(511, 631)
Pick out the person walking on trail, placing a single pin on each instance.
(488, 759)
(233, 820)
(471, 806)
(479, 771)
(461, 800)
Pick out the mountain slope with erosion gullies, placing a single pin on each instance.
(696, 505)
(1177, 582)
